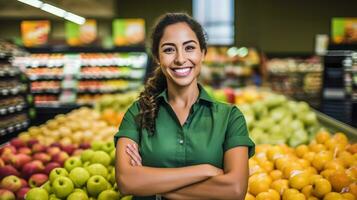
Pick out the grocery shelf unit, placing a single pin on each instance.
(339, 94)
(299, 77)
(67, 78)
(16, 104)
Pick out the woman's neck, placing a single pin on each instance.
(183, 96)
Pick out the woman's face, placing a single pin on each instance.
(180, 55)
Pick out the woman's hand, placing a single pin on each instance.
(133, 151)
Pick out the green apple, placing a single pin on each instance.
(97, 169)
(108, 195)
(86, 155)
(101, 157)
(86, 164)
(79, 176)
(112, 156)
(72, 163)
(37, 194)
(57, 172)
(79, 190)
(62, 187)
(97, 145)
(53, 197)
(96, 184)
(111, 176)
(47, 186)
(127, 198)
(108, 146)
(78, 196)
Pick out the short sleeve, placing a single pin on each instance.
(128, 127)
(237, 132)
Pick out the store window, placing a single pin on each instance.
(217, 17)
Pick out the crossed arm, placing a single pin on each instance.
(192, 182)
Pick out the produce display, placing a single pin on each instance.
(58, 79)
(26, 163)
(326, 168)
(88, 175)
(77, 127)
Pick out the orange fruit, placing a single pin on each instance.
(346, 158)
(249, 197)
(276, 174)
(352, 148)
(301, 150)
(327, 173)
(317, 148)
(299, 179)
(348, 196)
(353, 188)
(340, 138)
(307, 190)
(322, 136)
(333, 196)
(280, 185)
(321, 158)
(309, 156)
(339, 180)
(334, 164)
(321, 187)
(267, 165)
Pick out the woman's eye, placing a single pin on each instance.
(168, 50)
(190, 48)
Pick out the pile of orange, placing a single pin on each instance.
(324, 169)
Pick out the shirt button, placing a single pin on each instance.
(181, 141)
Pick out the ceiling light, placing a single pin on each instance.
(53, 10)
(34, 3)
(75, 18)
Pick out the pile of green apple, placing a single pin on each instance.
(117, 102)
(91, 175)
(276, 120)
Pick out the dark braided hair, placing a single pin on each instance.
(157, 82)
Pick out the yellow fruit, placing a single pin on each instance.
(307, 191)
(260, 157)
(263, 196)
(334, 164)
(280, 185)
(352, 148)
(327, 173)
(290, 168)
(273, 152)
(274, 194)
(321, 158)
(304, 163)
(311, 170)
(333, 196)
(322, 136)
(298, 196)
(317, 148)
(314, 177)
(259, 183)
(276, 174)
(301, 150)
(299, 180)
(312, 198)
(288, 193)
(352, 173)
(249, 197)
(339, 180)
(348, 196)
(309, 156)
(353, 188)
(340, 138)
(346, 158)
(280, 163)
(321, 187)
(267, 166)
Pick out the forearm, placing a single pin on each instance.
(218, 187)
(146, 181)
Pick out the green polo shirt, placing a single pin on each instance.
(211, 129)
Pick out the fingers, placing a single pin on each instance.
(133, 152)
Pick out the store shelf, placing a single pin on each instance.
(13, 128)
(12, 109)
(44, 77)
(46, 91)
(13, 91)
(337, 126)
(101, 91)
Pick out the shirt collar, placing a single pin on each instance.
(202, 96)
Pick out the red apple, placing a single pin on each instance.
(7, 149)
(6, 194)
(37, 180)
(17, 143)
(20, 160)
(23, 183)
(25, 150)
(230, 95)
(32, 142)
(84, 145)
(43, 157)
(51, 166)
(38, 148)
(32, 167)
(77, 152)
(12, 183)
(7, 156)
(8, 170)
(20, 195)
(56, 144)
(69, 148)
(53, 151)
(60, 157)
(2, 163)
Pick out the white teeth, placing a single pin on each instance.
(182, 70)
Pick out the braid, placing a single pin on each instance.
(148, 105)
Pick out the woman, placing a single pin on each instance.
(176, 141)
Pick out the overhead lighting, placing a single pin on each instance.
(53, 10)
(34, 3)
(75, 18)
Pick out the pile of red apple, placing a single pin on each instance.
(26, 164)
(90, 175)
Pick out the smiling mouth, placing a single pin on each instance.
(182, 71)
